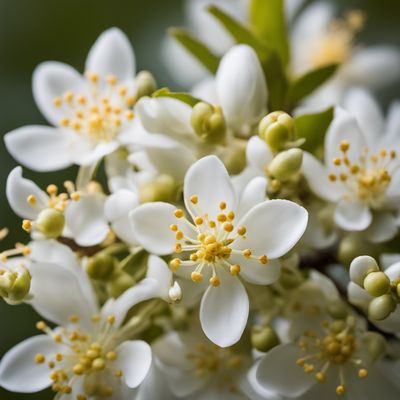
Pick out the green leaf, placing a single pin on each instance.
(313, 127)
(267, 19)
(310, 81)
(196, 48)
(185, 97)
(269, 59)
(239, 32)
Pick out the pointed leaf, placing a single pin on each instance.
(267, 18)
(310, 81)
(313, 127)
(198, 49)
(185, 97)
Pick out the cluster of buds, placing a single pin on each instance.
(382, 286)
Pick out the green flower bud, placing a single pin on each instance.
(360, 267)
(208, 122)
(145, 83)
(50, 223)
(277, 129)
(376, 283)
(15, 284)
(337, 310)
(101, 266)
(264, 338)
(381, 307)
(286, 164)
(163, 188)
(376, 345)
(120, 282)
(234, 157)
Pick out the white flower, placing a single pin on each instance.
(77, 215)
(198, 369)
(319, 39)
(326, 361)
(216, 248)
(89, 113)
(361, 171)
(89, 354)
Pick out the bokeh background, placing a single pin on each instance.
(32, 31)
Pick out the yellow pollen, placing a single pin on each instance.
(75, 196)
(198, 220)
(73, 318)
(234, 269)
(196, 276)
(98, 364)
(194, 199)
(78, 369)
(129, 115)
(362, 373)
(173, 227)
(320, 377)
(26, 225)
(174, 264)
(247, 253)
(179, 235)
(241, 230)
(222, 205)
(215, 281)
(57, 101)
(228, 227)
(118, 373)
(59, 357)
(111, 80)
(178, 248)
(111, 319)
(221, 217)
(263, 259)
(68, 96)
(332, 177)
(337, 161)
(179, 213)
(52, 190)
(41, 325)
(64, 122)
(40, 359)
(231, 215)
(343, 177)
(340, 390)
(111, 355)
(344, 145)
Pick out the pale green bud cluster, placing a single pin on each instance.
(162, 188)
(286, 164)
(264, 338)
(365, 272)
(15, 284)
(278, 130)
(208, 122)
(145, 84)
(101, 266)
(50, 223)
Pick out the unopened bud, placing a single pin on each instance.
(376, 283)
(277, 129)
(360, 267)
(175, 293)
(376, 344)
(286, 164)
(15, 284)
(100, 266)
(264, 338)
(120, 282)
(162, 188)
(145, 83)
(50, 223)
(208, 122)
(381, 307)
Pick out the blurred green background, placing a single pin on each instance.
(32, 31)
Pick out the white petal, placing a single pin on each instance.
(158, 269)
(206, 90)
(50, 80)
(86, 155)
(360, 103)
(258, 154)
(253, 194)
(367, 64)
(260, 274)
(151, 224)
(273, 228)
(393, 119)
(47, 281)
(18, 370)
(224, 310)
(112, 54)
(86, 221)
(382, 228)
(134, 360)
(209, 180)
(352, 216)
(393, 272)
(343, 127)
(40, 148)
(317, 178)
(18, 189)
(279, 372)
(144, 290)
(241, 88)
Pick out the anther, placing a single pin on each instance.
(241, 230)
(174, 264)
(340, 390)
(234, 269)
(194, 199)
(40, 359)
(196, 276)
(198, 220)
(26, 225)
(344, 145)
(215, 281)
(263, 259)
(362, 373)
(178, 213)
(222, 205)
(247, 253)
(228, 227)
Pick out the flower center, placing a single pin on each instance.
(336, 348)
(369, 178)
(211, 359)
(82, 354)
(211, 245)
(335, 46)
(99, 114)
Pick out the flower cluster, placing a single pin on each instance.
(243, 244)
